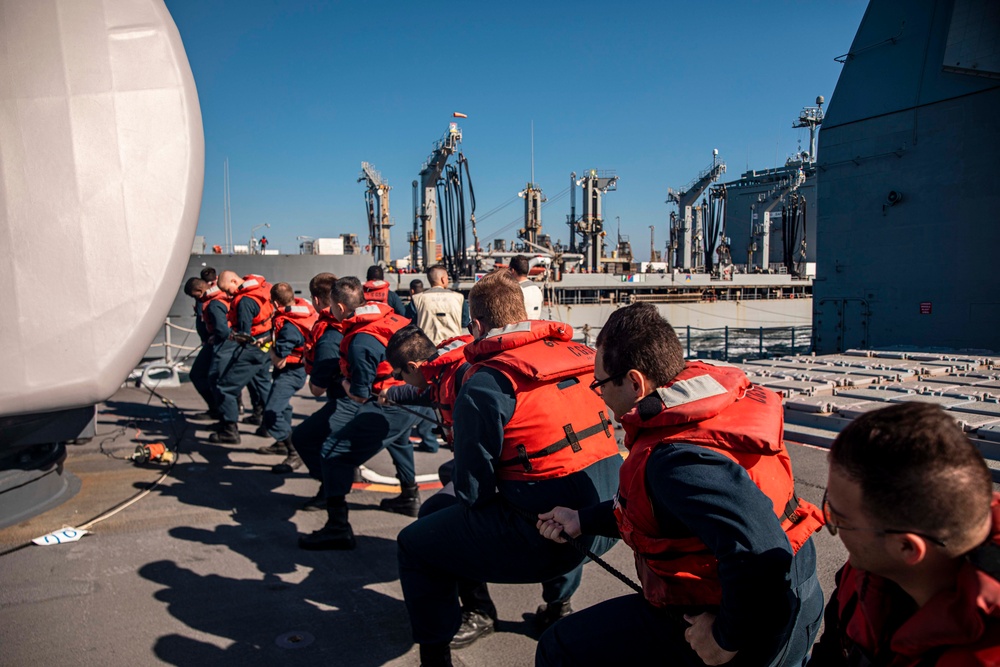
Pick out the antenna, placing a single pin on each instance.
(227, 215)
(532, 152)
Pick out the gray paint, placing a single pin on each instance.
(901, 121)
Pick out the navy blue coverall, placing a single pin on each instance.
(772, 603)
(481, 538)
(285, 382)
(240, 365)
(356, 437)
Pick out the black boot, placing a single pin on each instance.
(279, 448)
(292, 460)
(475, 624)
(229, 434)
(407, 502)
(208, 415)
(256, 417)
(336, 534)
(547, 614)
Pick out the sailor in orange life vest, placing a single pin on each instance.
(377, 288)
(245, 363)
(293, 320)
(322, 364)
(200, 375)
(706, 501)
(367, 328)
(529, 434)
(913, 502)
(433, 377)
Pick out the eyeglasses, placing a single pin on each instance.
(597, 384)
(834, 528)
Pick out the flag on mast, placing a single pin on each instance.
(459, 114)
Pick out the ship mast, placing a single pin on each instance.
(591, 226)
(379, 222)
(430, 173)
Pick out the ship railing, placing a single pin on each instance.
(744, 343)
(170, 348)
(734, 343)
(165, 371)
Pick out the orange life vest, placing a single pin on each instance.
(257, 288)
(377, 320)
(213, 293)
(958, 626)
(440, 375)
(376, 290)
(559, 425)
(715, 407)
(302, 316)
(324, 321)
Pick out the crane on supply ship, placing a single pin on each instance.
(533, 200)
(686, 223)
(590, 226)
(716, 241)
(377, 207)
(443, 202)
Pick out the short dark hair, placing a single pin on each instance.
(917, 471)
(375, 273)
(321, 285)
(497, 300)
(415, 284)
(282, 294)
(194, 283)
(436, 273)
(348, 293)
(637, 337)
(519, 265)
(208, 274)
(409, 344)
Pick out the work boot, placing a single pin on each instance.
(229, 434)
(549, 613)
(279, 448)
(475, 624)
(261, 431)
(256, 417)
(407, 502)
(207, 416)
(291, 463)
(336, 534)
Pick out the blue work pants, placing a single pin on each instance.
(424, 429)
(489, 544)
(247, 364)
(372, 428)
(201, 374)
(278, 408)
(630, 631)
(308, 437)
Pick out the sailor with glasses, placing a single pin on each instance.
(912, 500)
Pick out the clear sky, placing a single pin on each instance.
(297, 94)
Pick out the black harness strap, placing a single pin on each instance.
(572, 439)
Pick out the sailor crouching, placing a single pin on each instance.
(246, 363)
(528, 434)
(706, 501)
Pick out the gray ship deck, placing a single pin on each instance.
(205, 569)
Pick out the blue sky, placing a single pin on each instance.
(297, 94)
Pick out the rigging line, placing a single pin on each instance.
(558, 196)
